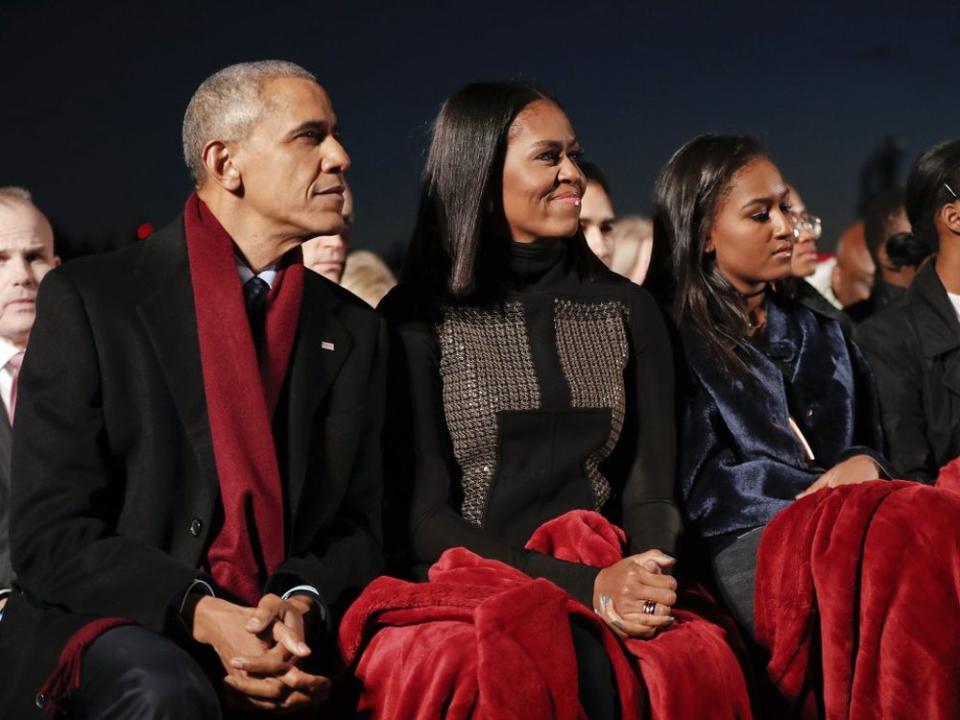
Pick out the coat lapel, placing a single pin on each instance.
(169, 318)
(322, 346)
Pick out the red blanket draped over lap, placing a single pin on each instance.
(483, 640)
(858, 600)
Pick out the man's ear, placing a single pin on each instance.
(56, 261)
(949, 217)
(220, 165)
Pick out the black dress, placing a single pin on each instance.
(560, 397)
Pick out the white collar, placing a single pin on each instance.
(268, 274)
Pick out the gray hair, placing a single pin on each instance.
(228, 104)
(12, 195)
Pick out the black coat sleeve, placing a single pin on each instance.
(895, 358)
(651, 517)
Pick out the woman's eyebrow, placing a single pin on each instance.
(768, 200)
(757, 201)
(553, 143)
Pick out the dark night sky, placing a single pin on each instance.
(94, 93)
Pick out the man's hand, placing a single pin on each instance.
(621, 590)
(222, 625)
(852, 471)
(271, 680)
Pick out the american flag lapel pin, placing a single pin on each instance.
(327, 345)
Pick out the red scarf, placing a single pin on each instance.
(241, 400)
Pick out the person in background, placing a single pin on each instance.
(327, 254)
(806, 232)
(805, 267)
(906, 254)
(596, 212)
(853, 276)
(885, 217)
(914, 345)
(26, 256)
(367, 277)
(632, 245)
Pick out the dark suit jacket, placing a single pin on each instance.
(914, 348)
(117, 497)
(6, 437)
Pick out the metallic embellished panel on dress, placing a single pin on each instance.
(593, 347)
(486, 366)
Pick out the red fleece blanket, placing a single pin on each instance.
(483, 640)
(858, 601)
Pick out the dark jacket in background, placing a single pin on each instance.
(914, 348)
(6, 438)
(740, 462)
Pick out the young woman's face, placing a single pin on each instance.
(542, 183)
(751, 235)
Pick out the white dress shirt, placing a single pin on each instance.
(7, 351)
(268, 274)
(954, 300)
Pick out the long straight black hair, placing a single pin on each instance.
(460, 243)
(687, 193)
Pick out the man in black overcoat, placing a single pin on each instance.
(26, 256)
(196, 464)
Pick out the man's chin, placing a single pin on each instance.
(16, 334)
(326, 224)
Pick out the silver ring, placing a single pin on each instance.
(649, 607)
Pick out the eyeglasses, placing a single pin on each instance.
(805, 222)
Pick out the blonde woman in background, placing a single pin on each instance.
(632, 245)
(367, 277)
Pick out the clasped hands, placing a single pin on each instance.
(621, 591)
(261, 649)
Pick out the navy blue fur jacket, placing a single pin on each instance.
(740, 461)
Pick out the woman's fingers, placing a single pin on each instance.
(821, 482)
(639, 591)
(654, 621)
(657, 579)
(660, 559)
(631, 607)
(633, 624)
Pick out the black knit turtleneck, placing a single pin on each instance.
(560, 397)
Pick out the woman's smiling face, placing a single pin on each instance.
(542, 182)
